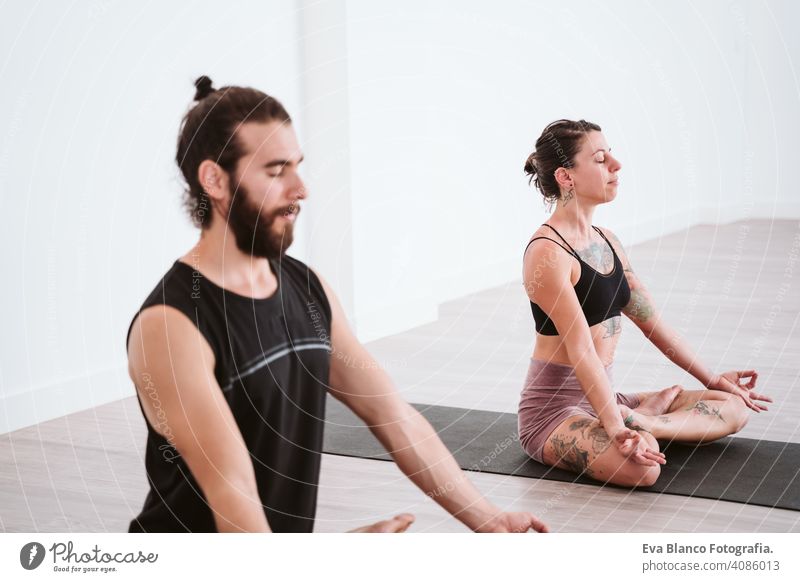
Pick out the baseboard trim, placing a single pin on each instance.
(40, 404)
(68, 396)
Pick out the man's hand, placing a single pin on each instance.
(513, 522)
(730, 382)
(398, 524)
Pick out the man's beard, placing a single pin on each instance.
(253, 232)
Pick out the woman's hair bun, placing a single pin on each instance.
(204, 88)
(530, 167)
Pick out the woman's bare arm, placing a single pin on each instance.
(548, 284)
(642, 311)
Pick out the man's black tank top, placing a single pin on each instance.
(601, 296)
(272, 363)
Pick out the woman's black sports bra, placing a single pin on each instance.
(601, 296)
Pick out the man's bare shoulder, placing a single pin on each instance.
(161, 332)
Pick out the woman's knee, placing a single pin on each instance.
(627, 473)
(737, 412)
(636, 475)
(613, 467)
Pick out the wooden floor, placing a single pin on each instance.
(733, 291)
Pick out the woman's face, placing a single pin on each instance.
(594, 173)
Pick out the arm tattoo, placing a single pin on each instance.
(704, 409)
(620, 247)
(638, 307)
(664, 419)
(612, 326)
(626, 265)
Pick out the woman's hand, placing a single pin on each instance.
(631, 444)
(730, 382)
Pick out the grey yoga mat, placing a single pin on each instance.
(751, 471)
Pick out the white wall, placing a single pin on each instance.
(327, 212)
(92, 96)
(772, 96)
(446, 105)
(416, 118)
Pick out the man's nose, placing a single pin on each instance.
(299, 190)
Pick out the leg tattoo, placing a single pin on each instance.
(590, 429)
(632, 424)
(599, 437)
(702, 408)
(568, 452)
(581, 423)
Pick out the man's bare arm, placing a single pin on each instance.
(172, 365)
(366, 388)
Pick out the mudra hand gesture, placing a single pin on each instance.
(731, 382)
(631, 444)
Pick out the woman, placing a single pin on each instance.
(579, 281)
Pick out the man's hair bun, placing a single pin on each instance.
(204, 88)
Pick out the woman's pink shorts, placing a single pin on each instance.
(552, 394)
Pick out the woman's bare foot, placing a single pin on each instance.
(659, 402)
(650, 411)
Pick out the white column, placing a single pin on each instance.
(326, 142)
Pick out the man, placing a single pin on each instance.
(233, 352)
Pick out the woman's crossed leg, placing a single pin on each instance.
(692, 416)
(581, 444)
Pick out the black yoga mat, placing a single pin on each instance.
(756, 472)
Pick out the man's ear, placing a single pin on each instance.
(213, 180)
